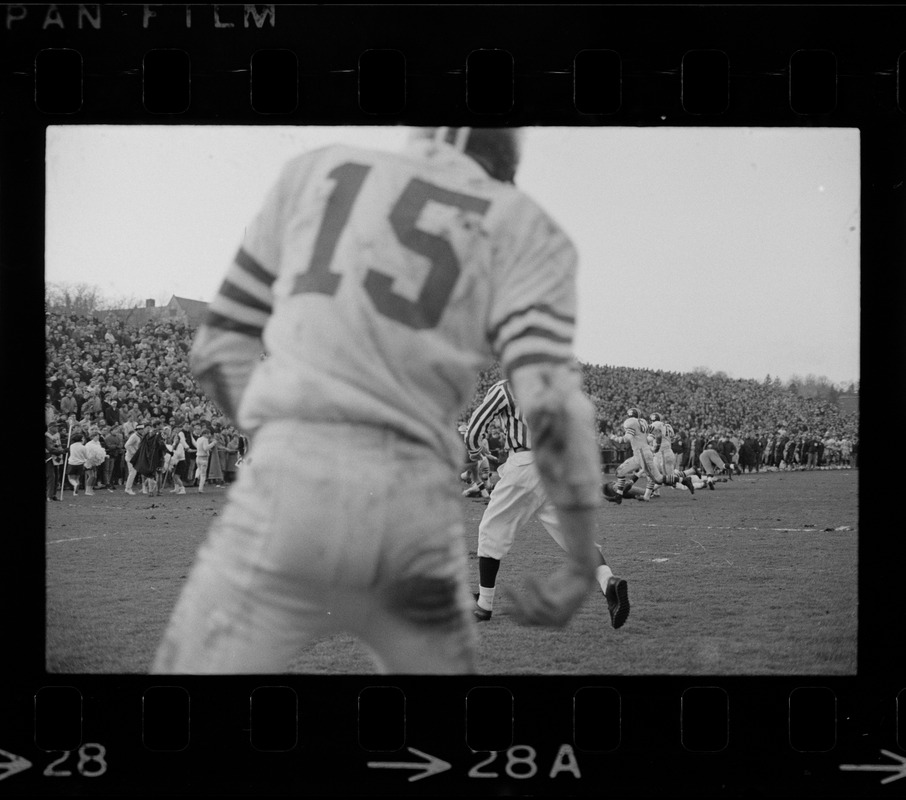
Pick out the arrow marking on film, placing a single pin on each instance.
(899, 768)
(12, 764)
(432, 766)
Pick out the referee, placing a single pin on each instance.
(517, 497)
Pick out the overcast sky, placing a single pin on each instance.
(731, 248)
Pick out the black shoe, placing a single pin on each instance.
(687, 482)
(481, 614)
(617, 596)
(710, 483)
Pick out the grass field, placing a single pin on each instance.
(758, 577)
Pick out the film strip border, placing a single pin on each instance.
(574, 736)
(78, 64)
(367, 64)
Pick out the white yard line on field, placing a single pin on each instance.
(82, 538)
(735, 528)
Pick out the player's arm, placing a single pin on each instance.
(223, 357)
(561, 421)
(532, 326)
(229, 343)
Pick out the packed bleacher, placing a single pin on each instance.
(702, 402)
(699, 407)
(103, 374)
(100, 371)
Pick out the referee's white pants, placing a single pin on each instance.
(329, 528)
(517, 497)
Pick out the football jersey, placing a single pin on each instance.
(664, 430)
(635, 432)
(382, 283)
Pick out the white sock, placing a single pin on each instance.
(603, 574)
(486, 597)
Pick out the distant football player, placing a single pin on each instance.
(711, 461)
(641, 462)
(661, 435)
(518, 496)
(380, 284)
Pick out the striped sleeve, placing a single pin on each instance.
(244, 300)
(495, 401)
(533, 315)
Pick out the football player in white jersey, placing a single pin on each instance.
(661, 435)
(380, 284)
(641, 462)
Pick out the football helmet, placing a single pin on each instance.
(655, 417)
(633, 412)
(497, 150)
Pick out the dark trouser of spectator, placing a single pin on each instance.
(112, 469)
(189, 480)
(50, 479)
(813, 460)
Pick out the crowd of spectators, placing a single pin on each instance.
(106, 377)
(767, 425)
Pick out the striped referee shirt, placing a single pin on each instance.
(498, 402)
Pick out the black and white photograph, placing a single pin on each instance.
(448, 400)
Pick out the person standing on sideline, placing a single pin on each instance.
(132, 444)
(96, 456)
(517, 497)
(189, 446)
(177, 461)
(215, 454)
(52, 450)
(75, 467)
(203, 447)
(113, 443)
(379, 284)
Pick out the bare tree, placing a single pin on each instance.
(73, 298)
(84, 299)
(120, 302)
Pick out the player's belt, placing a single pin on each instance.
(521, 449)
